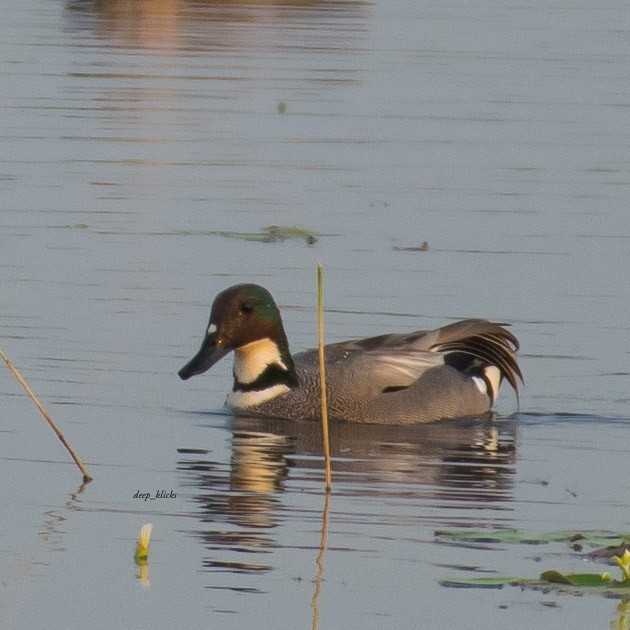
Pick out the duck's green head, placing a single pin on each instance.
(240, 315)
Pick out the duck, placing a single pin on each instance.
(401, 378)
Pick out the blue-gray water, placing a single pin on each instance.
(133, 131)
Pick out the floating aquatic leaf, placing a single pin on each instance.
(424, 247)
(554, 577)
(568, 583)
(577, 579)
(268, 234)
(513, 536)
(585, 583)
(485, 582)
(272, 234)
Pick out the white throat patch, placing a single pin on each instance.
(251, 359)
(243, 400)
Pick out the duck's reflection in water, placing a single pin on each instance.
(439, 472)
(189, 26)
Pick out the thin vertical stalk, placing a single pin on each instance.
(322, 372)
(319, 562)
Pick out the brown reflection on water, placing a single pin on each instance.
(452, 465)
(463, 461)
(258, 461)
(142, 22)
(193, 25)
(240, 495)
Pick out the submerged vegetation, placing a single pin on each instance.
(267, 234)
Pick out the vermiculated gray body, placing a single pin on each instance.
(356, 377)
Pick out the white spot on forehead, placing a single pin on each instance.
(212, 329)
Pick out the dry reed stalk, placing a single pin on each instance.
(322, 372)
(86, 475)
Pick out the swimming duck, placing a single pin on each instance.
(451, 372)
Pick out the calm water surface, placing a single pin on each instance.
(140, 139)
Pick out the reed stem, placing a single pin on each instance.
(322, 373)
(86, 475)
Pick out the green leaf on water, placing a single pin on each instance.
(595, 538)
(583, 583)
(568, 583)
(597, 580)
(554, 577)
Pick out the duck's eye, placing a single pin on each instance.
(246, 308)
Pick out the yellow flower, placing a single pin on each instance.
(142, 544)
(624, 563)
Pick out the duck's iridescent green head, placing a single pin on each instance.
(240, 315)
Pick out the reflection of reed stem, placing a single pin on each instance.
(319, 561)
(86, 475)
(322, 372)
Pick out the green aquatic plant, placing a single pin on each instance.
(591, 539)
(552, 580)
(571, 583)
